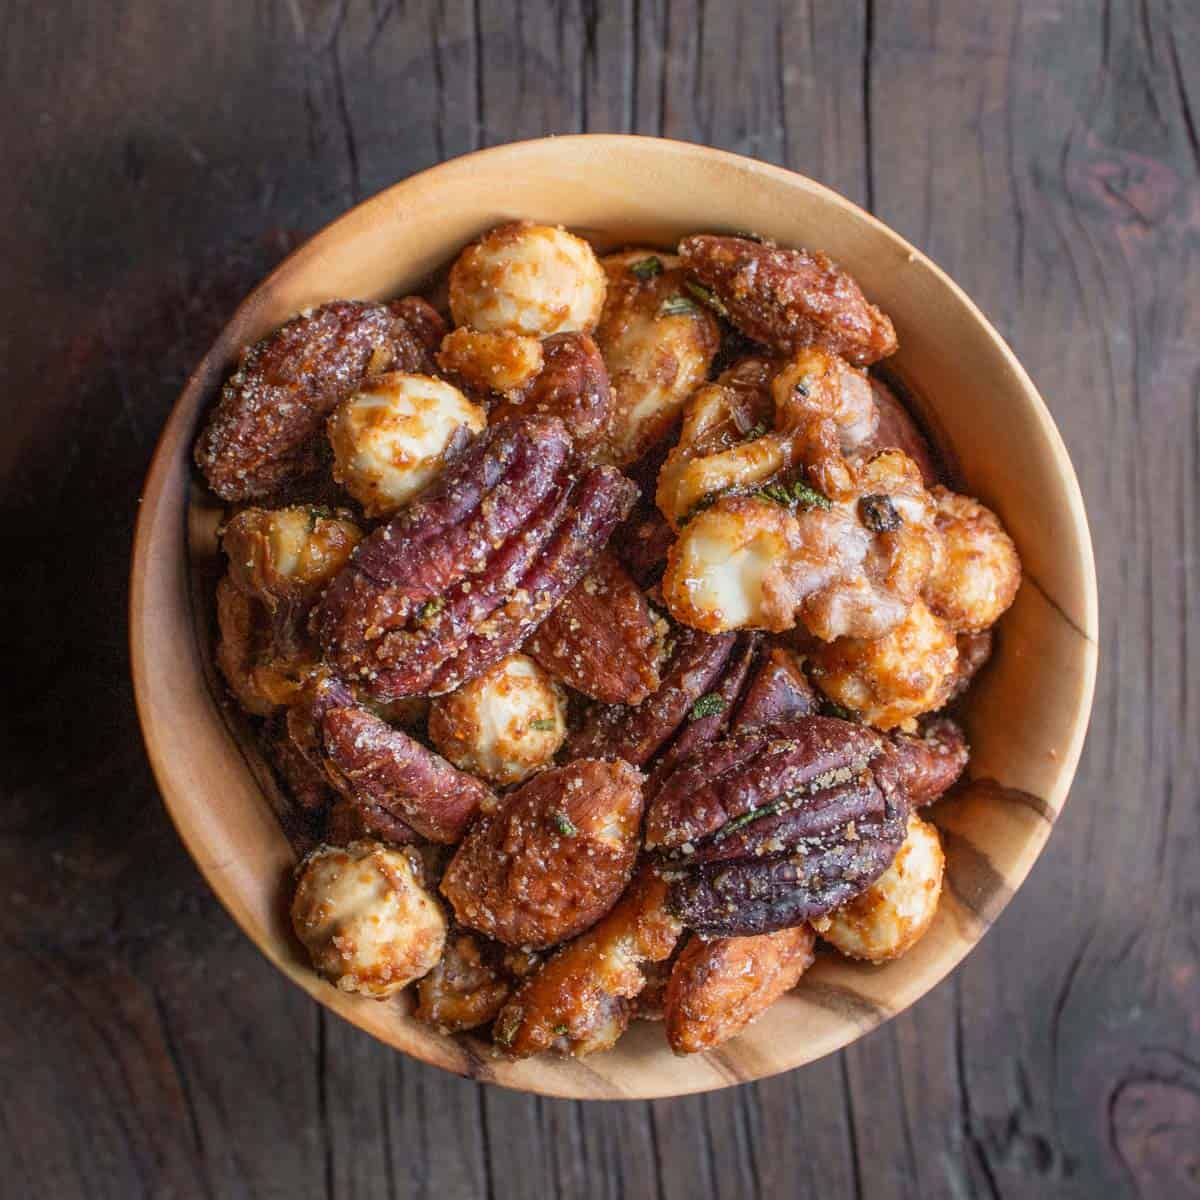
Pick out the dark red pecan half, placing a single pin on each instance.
(789, 299)
(784, 822)
(778, 691)
(572, 385)
(602, 640)
(462, 575)
(636, 734)
(264, 432)
(387, 774)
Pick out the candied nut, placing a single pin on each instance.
(366, 918)
(974, 650)
(891, 680)
(381, 768)
(577, 1002)
(642, 543)
(658, 343)
(467, 987)
(896, 910)
(602, 639)
(778, 691)
(503, 724)
(490, 362)
(977, 574)
(286, 556)
(265, 430)
(527, 278)
(895, 429)
(929, 763)
(394, 435)
(553, 859)
(463, 575)
(789, 299)
(573, 386)
(718, 987)
(636, 734)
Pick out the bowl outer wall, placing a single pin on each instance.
(1028, 715)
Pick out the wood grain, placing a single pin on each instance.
(160, 156)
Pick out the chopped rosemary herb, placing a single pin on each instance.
(700, 505)
(543, 723)
(562, 1030)
(646, 268)
(676, 306)
(832, 709)
(794, 495)
(563, 823)
(767, 810)
(429, 610)
(707, 706)
(757, 430)
(706, 297)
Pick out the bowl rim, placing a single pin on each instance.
(157, 478)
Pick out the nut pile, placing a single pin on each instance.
(600, 630)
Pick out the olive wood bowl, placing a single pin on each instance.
(1026, 714)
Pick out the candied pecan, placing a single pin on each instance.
(974, 649)
(895, 429)
(378, 767)
(577, 1001)
(783, 823)
(718, 987)
(352, 820)
(459, 578)
(637, 734)
(572, 385)
(467, 987)
(929, 764)
(790, 298)
(602, 640)
(642, 542)
(778, 691)
(265, 431)
(553, 859)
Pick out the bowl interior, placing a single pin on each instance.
(1027, 713)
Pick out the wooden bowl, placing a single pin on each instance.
(1027, 713)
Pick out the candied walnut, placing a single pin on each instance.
(463, 575)
(977, 574)
(603, 640)
(503, 724)
(658, 343)
(553, 859)
(467, 987)
(286, 556)
(974, 649)
(896, 910)
(783, 823)
(718, 987)
(527, 278)
(381, 768)
(490, 362)
(366, 918)
(637, 733)
(394, 435)
(895, 429)
(891, 680)
(577, 1002)
(573, 386)
(778, 690)
(265, 430)
(789, 299)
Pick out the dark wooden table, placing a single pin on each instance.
(158, 156)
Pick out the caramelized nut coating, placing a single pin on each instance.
(501, 363)
(603, 640)
(265, 430)
(467, 987)
(577, 1002)
(553, 859)
(366, 917)
(789, 299)
(896, 430)
(718, 987)
(778, 690)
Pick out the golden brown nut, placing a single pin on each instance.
(893, 913)
(889, 681)
(553, 859)
(718, 987)
(602, 639)
(394, 434)
(504, 724)
(576, 1003)
(366, 918)
(467, 987)
(527, 278)
(977, 574)
(287, 555)
(490, 362)
(658, 343)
